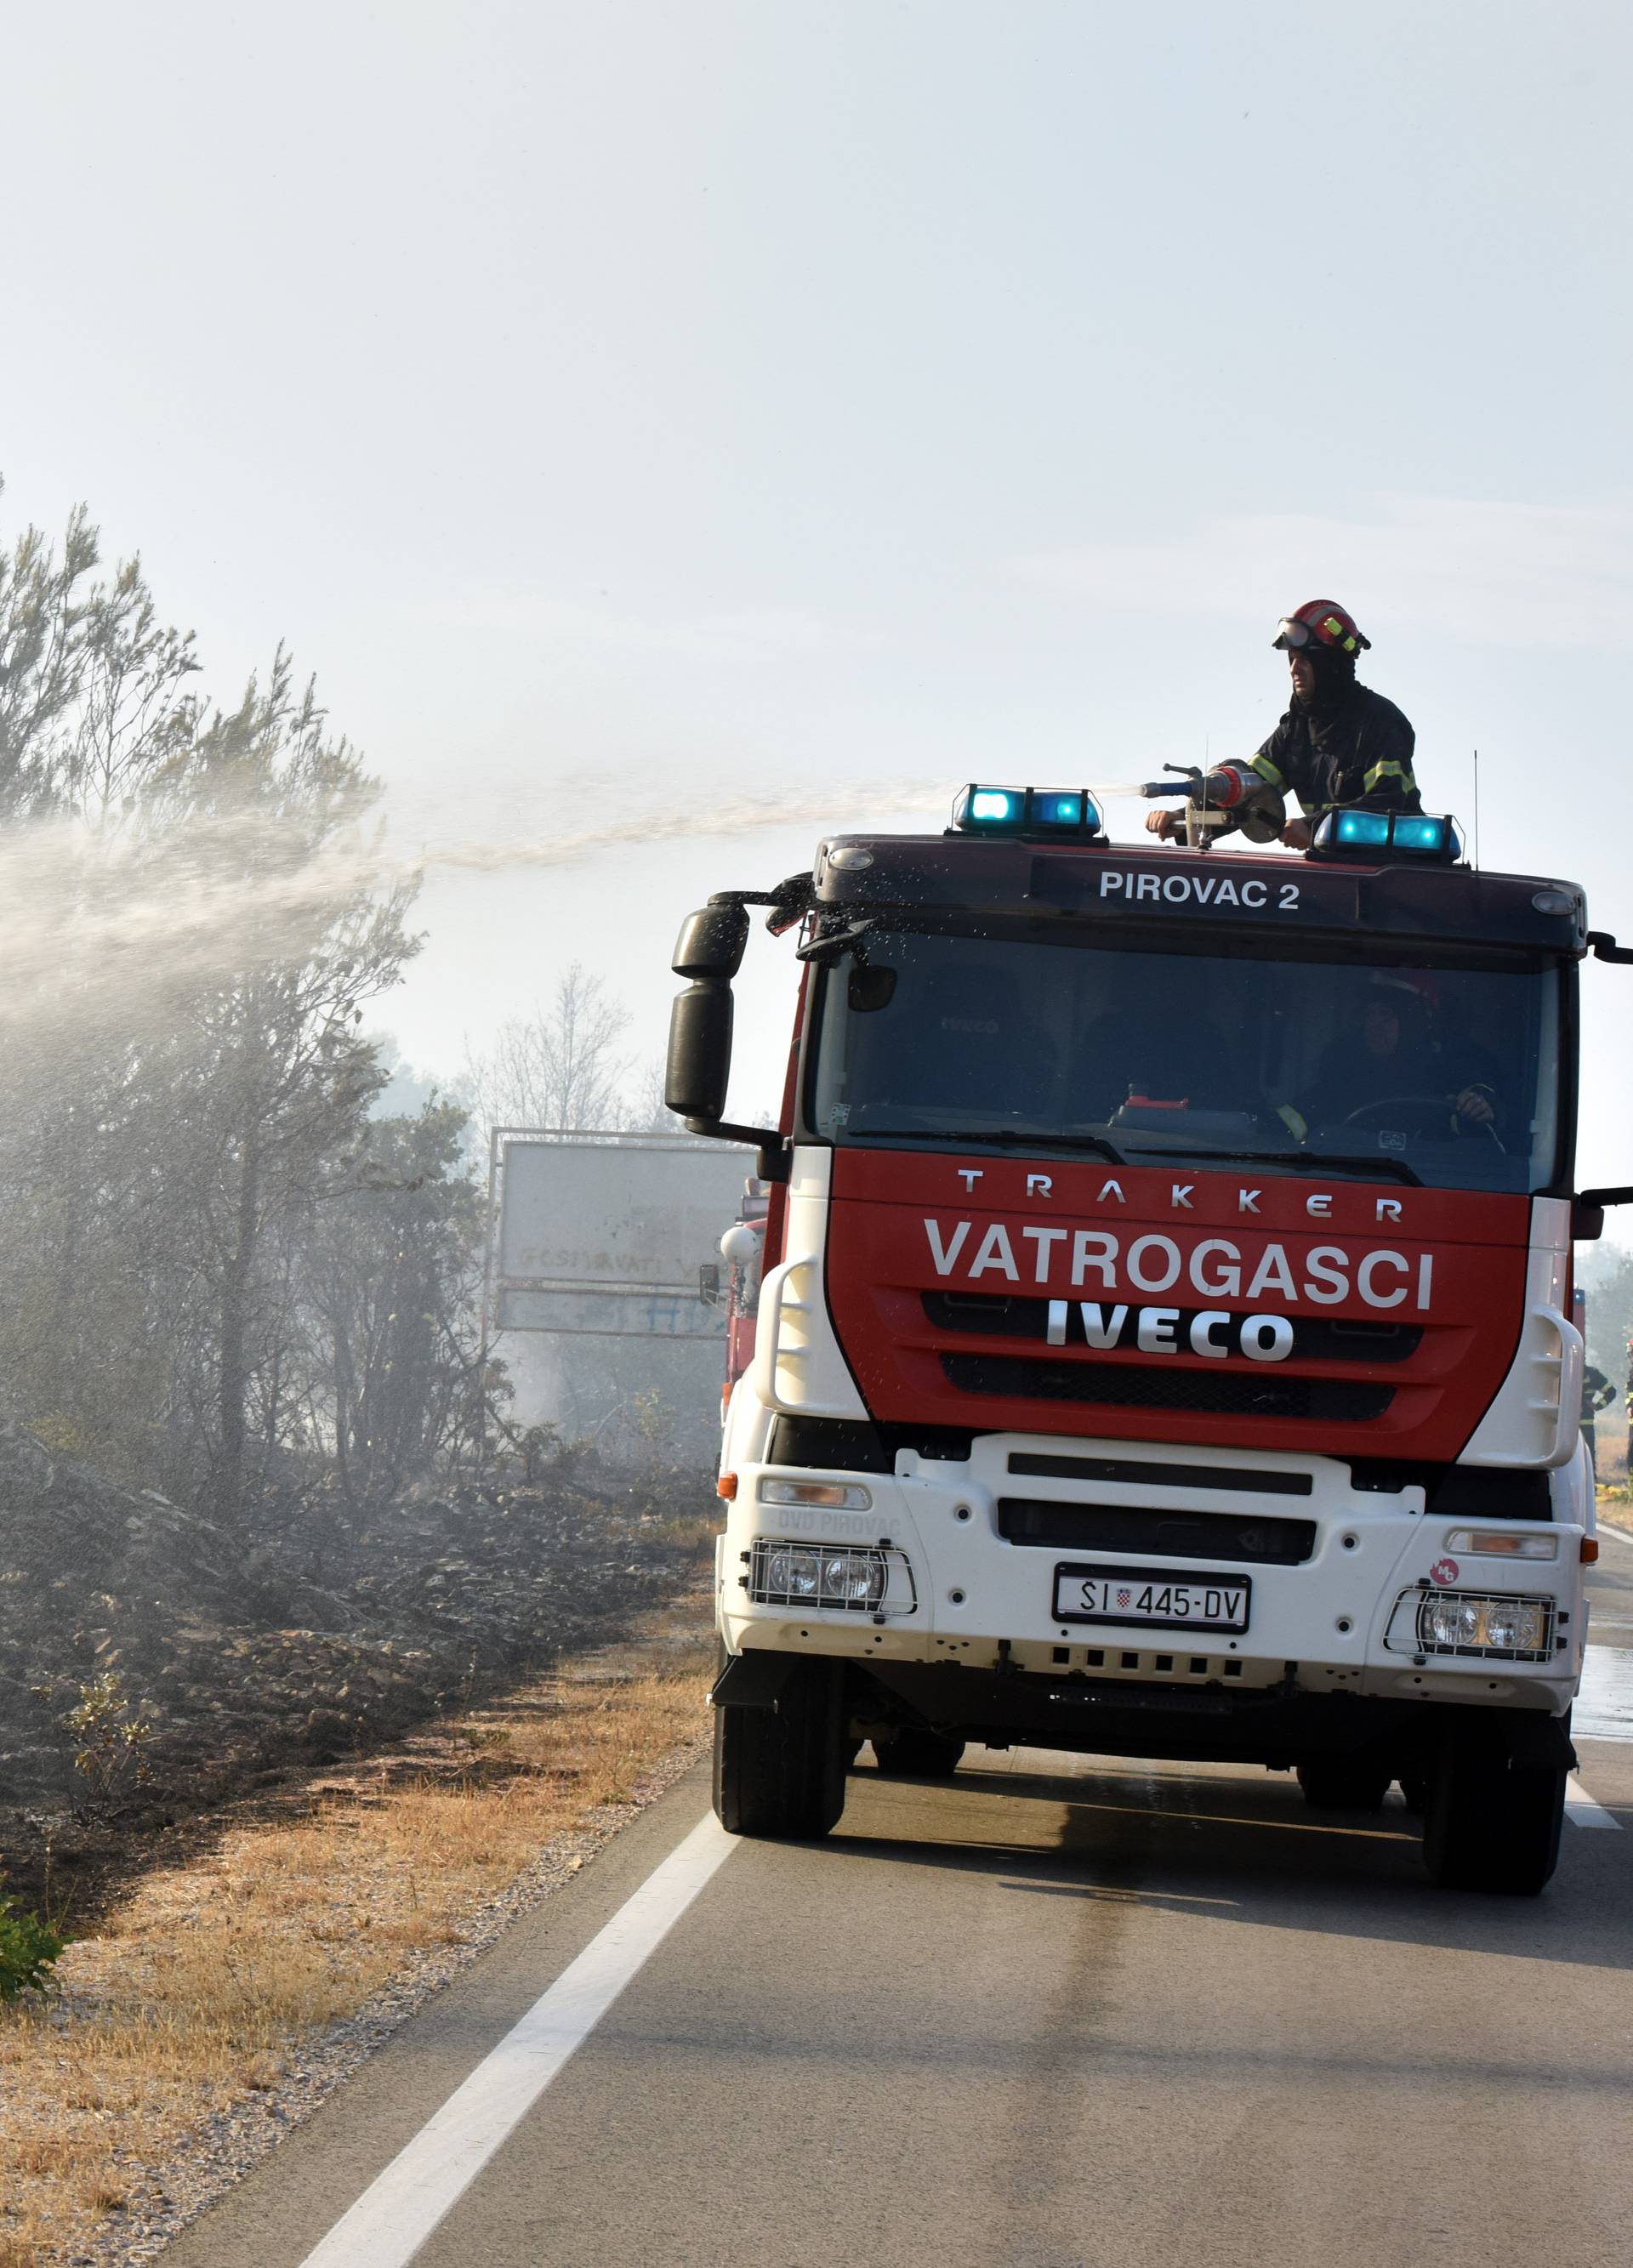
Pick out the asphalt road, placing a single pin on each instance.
(1060, 2010)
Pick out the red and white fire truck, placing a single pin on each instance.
(1163, 1346)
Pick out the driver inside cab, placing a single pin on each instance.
(1395, 1056)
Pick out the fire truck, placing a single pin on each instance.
(1163, 1346)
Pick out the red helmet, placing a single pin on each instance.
(1321, 622)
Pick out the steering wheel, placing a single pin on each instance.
(1435, 1103)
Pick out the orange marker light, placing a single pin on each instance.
(726, 1486)
(1590, 1550)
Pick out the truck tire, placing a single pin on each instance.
(1344, 1784)
(1491, 1824)
(915, 1755)
(779, 1772)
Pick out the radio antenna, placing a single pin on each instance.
(1477, 811)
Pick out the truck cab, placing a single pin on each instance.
(1165, 1344)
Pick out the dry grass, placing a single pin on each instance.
(196, 1991)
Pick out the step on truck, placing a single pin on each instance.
(1163, 1346)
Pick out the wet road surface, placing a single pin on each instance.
(1059, 2011)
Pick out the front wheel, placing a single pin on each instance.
(1491, 1824)
(779, 1771)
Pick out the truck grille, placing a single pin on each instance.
(1052, 1465)
(1021, 1378)
(1247, 1538)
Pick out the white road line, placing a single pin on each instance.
(394, 2215)
(1581, 1808)
(1604, 1527)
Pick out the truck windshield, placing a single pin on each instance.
(1440, 1067)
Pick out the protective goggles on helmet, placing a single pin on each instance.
(1329, 633)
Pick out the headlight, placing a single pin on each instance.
(1472, 1622)
(1504, 1542)
(1516, 1625)
(792, 1574)
(832, 1495)
(1451, 1622)
(853, 1577)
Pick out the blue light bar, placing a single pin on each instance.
(1415, 834)
(1371, 827)
(993, 807)
(981, 810)
(1420, 832)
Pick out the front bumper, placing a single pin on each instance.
(963, 1595)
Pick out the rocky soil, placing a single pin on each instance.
(152, 1665)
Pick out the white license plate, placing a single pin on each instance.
(1173, 1599)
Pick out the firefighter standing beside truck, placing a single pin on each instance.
(1597, 1394)
(1340, 744)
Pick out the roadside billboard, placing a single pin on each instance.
(611, 1234)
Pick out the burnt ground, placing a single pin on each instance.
(236, 1659)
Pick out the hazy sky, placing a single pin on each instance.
(619, 406)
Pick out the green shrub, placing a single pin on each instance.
(28, 1949)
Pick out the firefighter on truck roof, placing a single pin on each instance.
(1340, 743)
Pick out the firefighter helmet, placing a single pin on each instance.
(1323, 624)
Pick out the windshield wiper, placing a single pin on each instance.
(1318, 1160)
(1007, 1138)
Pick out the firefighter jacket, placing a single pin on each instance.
(1358, 752)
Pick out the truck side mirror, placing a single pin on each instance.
(698, 1065)
(1587, 1212)
(711, 943)
(697, 1069)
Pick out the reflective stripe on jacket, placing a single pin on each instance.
(1359, 753)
